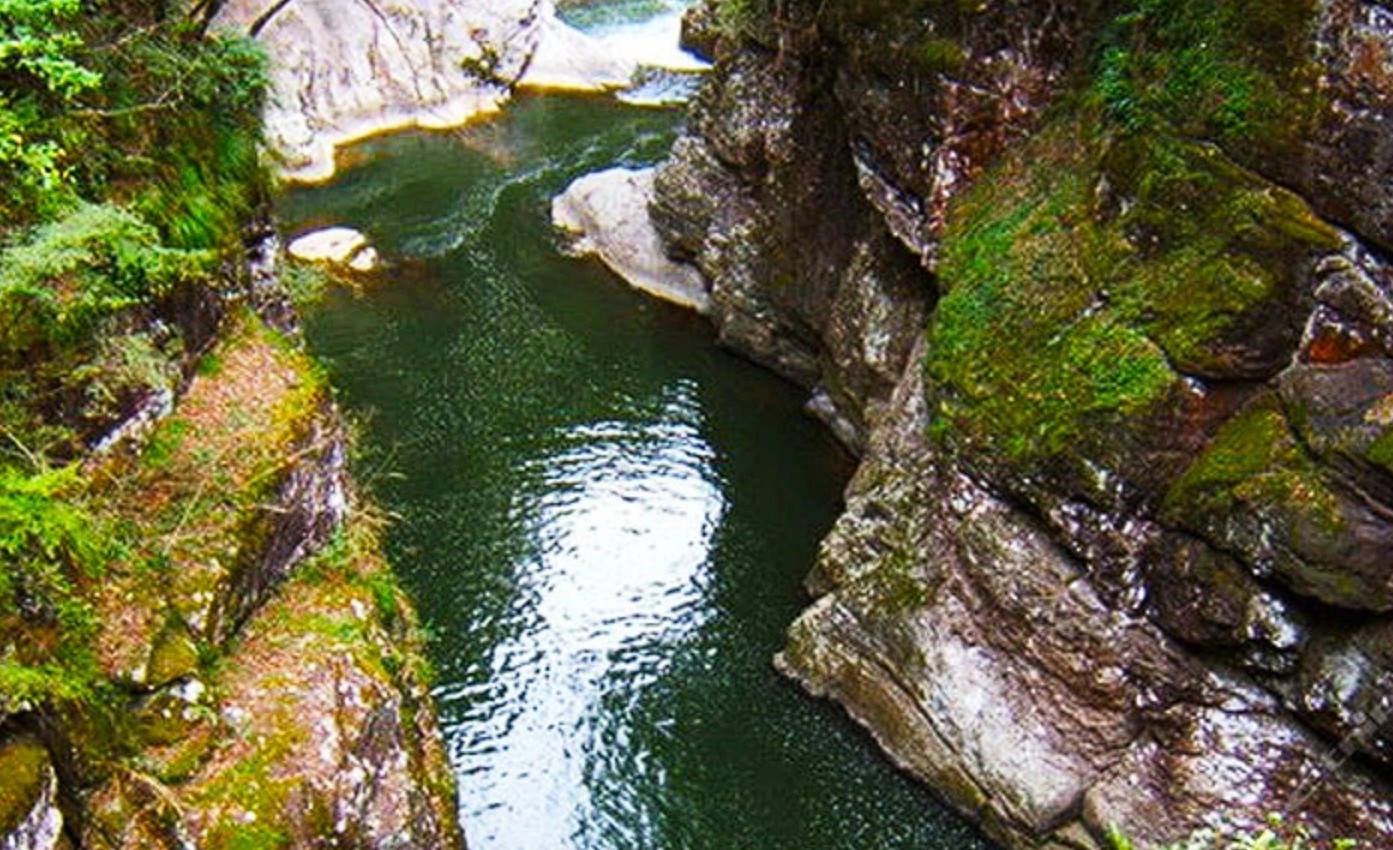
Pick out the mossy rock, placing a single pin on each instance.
(27, 771)
(1344, 413)
(1088, 280)
(170, 715)
(174, 655)
(1256, 492)
(1240, 73)
(1220, 276)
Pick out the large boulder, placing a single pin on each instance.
(605, 214)
(343, 71)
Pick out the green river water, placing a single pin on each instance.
(603, 518)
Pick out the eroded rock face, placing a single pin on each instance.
(1120, 546)
(761, 198)
(261, 672)
(977, 652)
(343, 71)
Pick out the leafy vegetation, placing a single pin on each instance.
(50, 548)
(128, 164)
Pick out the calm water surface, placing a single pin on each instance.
(604, 519)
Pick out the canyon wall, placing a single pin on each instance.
(1100, 293)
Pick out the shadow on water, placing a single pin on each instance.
(605, 519)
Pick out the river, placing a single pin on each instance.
(604, 519)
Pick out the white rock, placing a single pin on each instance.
(567, 59)
(365, 260)
(343, 71)
(606, 215)
(339, 245)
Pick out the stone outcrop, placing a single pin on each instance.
(29, 815)
(343, 71)
(257, 674)
(606, 215)
(339, 246)
(1116, 356)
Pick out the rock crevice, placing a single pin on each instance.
(1117, 553)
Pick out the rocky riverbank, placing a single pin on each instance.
(341, 72)
(258, 675)
(1100, 293)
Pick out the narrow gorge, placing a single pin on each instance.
(995, 447)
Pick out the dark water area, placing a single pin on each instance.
(604, 519)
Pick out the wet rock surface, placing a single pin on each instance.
(1116, 554)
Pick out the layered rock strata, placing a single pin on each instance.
(1115, 351)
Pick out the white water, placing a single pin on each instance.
(647, 34)
(652, 43)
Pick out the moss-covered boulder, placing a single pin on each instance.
(1257, 491)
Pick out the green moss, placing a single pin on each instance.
(250, 798)
(1024, 345)
(24, 764)
(173, 656)
(937, 55)
(1254, 467)
(1086, 273)
(1237, 72)
(1381, 452)
(258, 836)
(1248, 445)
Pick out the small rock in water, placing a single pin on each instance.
(336, 245)
(365, 260)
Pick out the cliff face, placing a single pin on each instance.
(239, 668)
(1100, 291)
(342, 71)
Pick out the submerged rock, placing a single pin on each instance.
(606, 215)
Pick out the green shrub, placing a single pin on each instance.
(49, 547)
(89, 265)
(40, 73)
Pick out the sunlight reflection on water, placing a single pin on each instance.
(622, 525)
